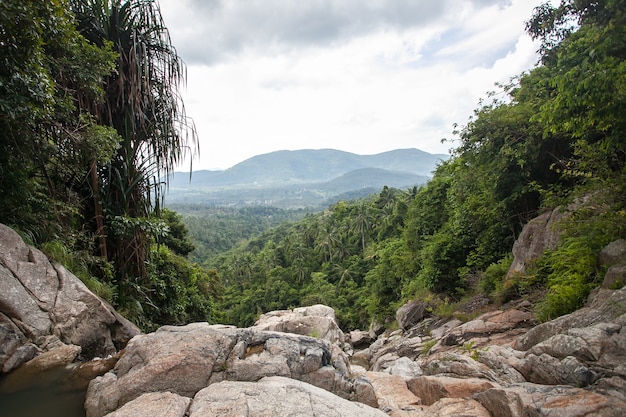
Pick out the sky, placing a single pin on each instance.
(363, 76)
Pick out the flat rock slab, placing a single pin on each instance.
(555, 401)
(274, 396)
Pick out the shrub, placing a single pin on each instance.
(494, 276)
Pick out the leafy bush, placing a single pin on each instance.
(494, 275)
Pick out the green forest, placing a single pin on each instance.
(92, 123)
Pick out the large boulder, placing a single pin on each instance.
(183, 360)
(528, 399)
(273, 396)
(43, 306)
(494, 323)
(392, 392)
(316, 321)
(433, 388)
(603, 306)
(155, 404)
(411, 313)
(538, 236)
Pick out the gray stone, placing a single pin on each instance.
(433, 388)
(411, 313)
(538, 235)
(613, 254)
(615, 277)
(540, 400)
(316, 321)
(154, 404)
(185, 359)
(43, 306)
(460, 407)
(548, 370)
(603, 306)
(274, 396)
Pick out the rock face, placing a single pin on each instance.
(43, 306)
(411, 313)
(538, 236)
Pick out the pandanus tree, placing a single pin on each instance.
(142, 103)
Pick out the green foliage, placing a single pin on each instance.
(571, 271)
(493, 277)
(83, 265)
(427, 346)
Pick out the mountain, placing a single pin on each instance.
(303, 178)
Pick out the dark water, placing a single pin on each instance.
(47, 396)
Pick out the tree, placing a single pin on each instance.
(583, 49)
(47, 72)
(143, 105)
(362, 222)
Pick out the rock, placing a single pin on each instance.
(603, 306)
(456, 365)
(362, 358)
(563, 345)
(360, 339)
(434, 388)
(537, 236)
(27, 375)
(494, 322)
(539, 400)
(392, 392)
(440, 330)
(154, 404)
(42, 306)
(411, 313)
(504, 362)
(183, 360)
(274, 396)
(615, 277)
(404, 367)
(387, 350)
(446, 407)
(82, 374)
(613, 254)
(316, 321)
(548, 370)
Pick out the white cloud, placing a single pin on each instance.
(365, 77)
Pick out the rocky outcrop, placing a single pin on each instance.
(184, 360)
(541, 400)
(317, 320)
(274, 396)
(411, 313)
(43, 306)
(538, 235)
(271, 396)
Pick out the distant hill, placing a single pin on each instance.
(303, 178)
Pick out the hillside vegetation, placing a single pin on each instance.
(82, 176)
(549, 136)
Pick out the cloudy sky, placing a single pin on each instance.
(364, 76)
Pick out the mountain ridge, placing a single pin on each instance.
(299, 178)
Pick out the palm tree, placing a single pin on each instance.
(363, 222)
(143, 105)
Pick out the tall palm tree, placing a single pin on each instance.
(144, 106)
(362, 222)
